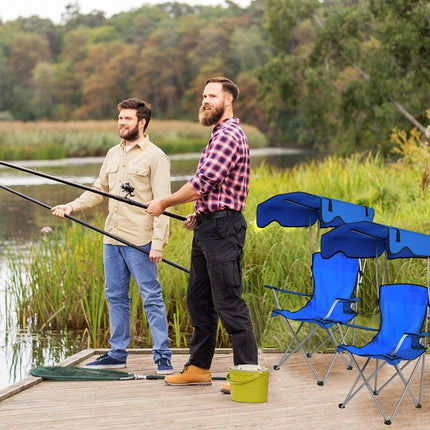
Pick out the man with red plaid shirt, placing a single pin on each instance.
(219, 189)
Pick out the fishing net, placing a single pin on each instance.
(72, 373)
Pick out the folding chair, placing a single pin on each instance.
(403, 312)
(330, 306)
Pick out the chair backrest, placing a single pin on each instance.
(333, 278)
(403, 308)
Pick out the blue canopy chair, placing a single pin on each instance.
(333, 280)
(401, 338)
(330, 305)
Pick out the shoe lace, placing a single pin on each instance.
(186, 366)
(102, 357)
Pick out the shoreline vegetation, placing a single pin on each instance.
(59, 285)
(55, 140)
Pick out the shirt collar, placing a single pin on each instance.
(224, 122)
(141, 143)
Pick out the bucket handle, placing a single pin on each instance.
(245, 381)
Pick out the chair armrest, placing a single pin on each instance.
(347, 305)
(351, 300)
(287, 291)
(416, 336)
(274, 289)
(362, 327)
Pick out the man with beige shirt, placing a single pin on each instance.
(136, 161)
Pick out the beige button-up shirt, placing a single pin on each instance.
(147, 169)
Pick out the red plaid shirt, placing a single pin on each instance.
(222, 177)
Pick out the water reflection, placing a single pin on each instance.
(20, 351)
(22, 221)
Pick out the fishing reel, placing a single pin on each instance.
(127, 188)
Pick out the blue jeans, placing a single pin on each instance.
(119, 263)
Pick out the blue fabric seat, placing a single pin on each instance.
(403, 311)
(330, 306)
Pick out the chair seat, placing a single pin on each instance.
(316, 317)
(383, 352)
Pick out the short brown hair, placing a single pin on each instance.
(143, 109)
(227, 85)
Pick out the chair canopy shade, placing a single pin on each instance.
(300, 209)
(368, 240)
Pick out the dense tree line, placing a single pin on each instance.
(346, 72)
(338, 74)
(163, 53)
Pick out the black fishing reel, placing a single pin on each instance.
(127, 188)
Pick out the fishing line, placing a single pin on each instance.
(171, 263)
(126, 187)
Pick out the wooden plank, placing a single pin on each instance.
(295, 400)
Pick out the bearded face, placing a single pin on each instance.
(210, 114)
(129, 133)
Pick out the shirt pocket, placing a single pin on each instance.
(112, 173)
(139, 178)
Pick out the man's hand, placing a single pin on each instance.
(61, 210)
(190, 222)
(155, 255)
(155, 207)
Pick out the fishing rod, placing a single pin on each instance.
(126, 187)
(92, 227)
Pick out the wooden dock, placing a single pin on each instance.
(295, 401)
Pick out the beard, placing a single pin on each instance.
(209, 118)
(130, 135)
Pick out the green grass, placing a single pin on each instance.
(65, 275)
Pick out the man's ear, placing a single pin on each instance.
(142, 124)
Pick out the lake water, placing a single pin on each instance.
(22, 221)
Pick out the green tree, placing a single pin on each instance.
(346, 71)
(44, 86)
(26, 50)
(104, 79)
(5, 83)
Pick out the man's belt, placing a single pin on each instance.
(217, 214)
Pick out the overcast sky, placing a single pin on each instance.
(52, 9)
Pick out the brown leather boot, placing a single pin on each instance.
(190, 375)
(225, 388)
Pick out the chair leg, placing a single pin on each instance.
(375, 391)
(354, 391)
(421, 382)
(287, 354)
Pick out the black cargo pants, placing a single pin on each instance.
(215, 289)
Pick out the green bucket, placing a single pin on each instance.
(248, 383)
